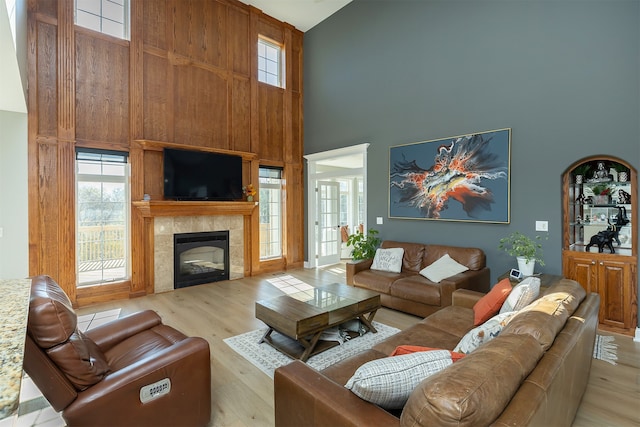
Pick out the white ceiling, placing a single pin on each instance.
(302, 14)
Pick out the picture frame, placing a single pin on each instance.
(459, 178)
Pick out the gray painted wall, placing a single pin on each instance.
(563, 74)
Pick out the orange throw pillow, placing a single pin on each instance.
(408, 349)
(490, 304)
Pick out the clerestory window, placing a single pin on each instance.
(105, 16)
(270, 62)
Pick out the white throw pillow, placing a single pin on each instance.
(443, 268)
(483, 333)
(389, 382)
(388, 260)
(522, 295)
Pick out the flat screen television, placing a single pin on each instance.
(199, 175)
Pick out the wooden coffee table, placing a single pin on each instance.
(300, 318)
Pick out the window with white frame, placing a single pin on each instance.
(271, 202)
(102, 216)
(105, 16)
(269, 62)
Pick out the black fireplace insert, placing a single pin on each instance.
(200, 258)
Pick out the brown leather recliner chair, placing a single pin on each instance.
(133, 371)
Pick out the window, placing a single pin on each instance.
(270, 180)
(102, 216)
(269, 62)
(105, 16)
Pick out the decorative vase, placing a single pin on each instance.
(249, 198)
(601, 200)
(623, 176)
(526, 267)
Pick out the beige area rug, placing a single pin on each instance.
(606, 349)
(267, 359)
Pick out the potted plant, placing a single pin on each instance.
(602, 194)
(622, 170)
(527, 251)
(364, 246)
(580, 171)
(249, 192)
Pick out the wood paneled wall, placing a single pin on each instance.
(188, 76)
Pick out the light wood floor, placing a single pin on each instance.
(243, 396)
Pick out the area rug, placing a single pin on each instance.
(267, 359)
(605, 349)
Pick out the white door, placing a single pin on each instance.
(328, 223)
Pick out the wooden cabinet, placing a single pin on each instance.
(614, 279)
(614, 276)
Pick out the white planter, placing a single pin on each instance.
(526, 268)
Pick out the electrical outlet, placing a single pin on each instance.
(542, 225)
(379, 220)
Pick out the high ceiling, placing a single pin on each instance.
(302, 14)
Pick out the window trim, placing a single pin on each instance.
(126, 20)
(281, 204)
(114, 157)
(281, 61)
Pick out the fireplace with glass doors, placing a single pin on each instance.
(200, 258)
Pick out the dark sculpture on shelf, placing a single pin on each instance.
(624, 197)
(621, 218)
(601, 174)
(604, 238)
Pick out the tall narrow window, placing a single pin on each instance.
(105, 16)
(102, 216)
(270, 180)
(269, 62)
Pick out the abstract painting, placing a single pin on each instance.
(461, 178)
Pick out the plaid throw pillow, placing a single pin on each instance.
(389, 382)
(522, 295)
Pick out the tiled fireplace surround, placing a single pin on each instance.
(166, 226)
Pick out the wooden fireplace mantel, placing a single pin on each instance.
(154, 208)
(143, 280)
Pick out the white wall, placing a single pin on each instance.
(14, 243)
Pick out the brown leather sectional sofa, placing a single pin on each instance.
(409, 291)
(533, 373)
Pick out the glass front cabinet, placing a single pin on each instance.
(600, 236)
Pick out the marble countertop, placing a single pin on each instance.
(14, 309)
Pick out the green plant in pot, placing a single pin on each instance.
(527, 250)
(602, 194)
(364, 246)
(622, 170)
(581, 171)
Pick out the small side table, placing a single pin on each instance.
(546, 280)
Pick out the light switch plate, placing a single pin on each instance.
(542, 225)
(379, 220)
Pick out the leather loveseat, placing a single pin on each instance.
(133, 371)
(533, 373)
(413, 293)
